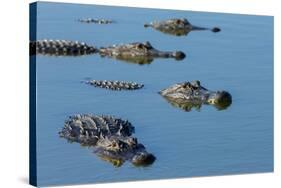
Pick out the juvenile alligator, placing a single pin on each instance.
(140, 53)
(187, 95)
(96, 21)
(61, 48)
(110, 137)
(115, 85)
(177, 26)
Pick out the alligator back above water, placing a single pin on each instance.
(138, 52)
(96, 21)
(115, 85)
(111, 138)
(187, 95)
(177, 27)
(60, 48)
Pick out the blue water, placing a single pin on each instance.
(238, 59)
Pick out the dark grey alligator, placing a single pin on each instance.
(177, 27)
(187, 95)
(61, 48)
(96, 21)
(115, 85)
(140, 53)
(110, 137)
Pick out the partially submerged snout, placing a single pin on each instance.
(221, 99)
(143, 159)
(216, 29)
(178, 55)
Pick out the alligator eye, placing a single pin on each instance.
(178, 21)
(114, 144)
(186, 85)
(140, 46)
(132, 141)
(197, 83)
(147, 45)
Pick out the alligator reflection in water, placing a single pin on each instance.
(140, 53)
(188, 95)
(111, 138)
(177, 27)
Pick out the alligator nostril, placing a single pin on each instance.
(179, 55)
(143, 159)
(225, 96)
(216, 29)
(222, 100)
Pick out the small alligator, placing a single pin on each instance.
(111, 138)
(96, 21)
(115, 85)
(177, 27)
(61, 48)
(187, 95)
(140, 53)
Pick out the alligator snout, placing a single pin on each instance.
(221, 99)
(143, 159)
(179, 55)
(216, 29)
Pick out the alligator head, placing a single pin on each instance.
(177, 27)
(117, 150)
(110, 137)
(187, 95)
(140, 53)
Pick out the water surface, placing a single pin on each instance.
(238, 59)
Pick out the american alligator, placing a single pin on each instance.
(110, 137)
(178, 27)
(115, 85)
(60, 48)
(187, 95)
(140, 53)
(96, 21)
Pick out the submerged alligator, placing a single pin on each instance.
(111, 137)
(187, 95)
(61, 48)
(115, 85)
(96, 21)
(177, 26)
(140, 53)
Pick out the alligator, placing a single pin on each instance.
(140, 53)
(96, 21)
(115, 85)
(110, 137)
(187, 95)
(177, 27)
(61, 48)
